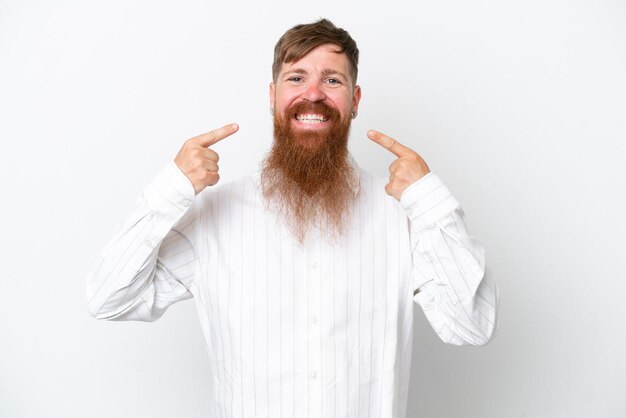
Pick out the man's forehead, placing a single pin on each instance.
(325, 58)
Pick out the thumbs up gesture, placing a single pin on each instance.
(406, 170)
(199, 162)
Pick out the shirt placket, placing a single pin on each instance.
(314, 331)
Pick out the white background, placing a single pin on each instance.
(519, 106)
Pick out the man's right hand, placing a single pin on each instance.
(198, 162)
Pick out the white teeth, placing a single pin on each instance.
(309, 118)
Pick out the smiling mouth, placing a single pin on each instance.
(311, 118)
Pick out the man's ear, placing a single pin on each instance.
(272, 96)
(356, 98)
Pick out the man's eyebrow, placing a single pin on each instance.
(328, 71)
(296, 71)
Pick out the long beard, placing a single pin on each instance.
(307, 178)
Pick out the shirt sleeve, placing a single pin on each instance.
(451, 281)
(149, 263)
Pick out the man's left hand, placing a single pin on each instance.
(406, 170)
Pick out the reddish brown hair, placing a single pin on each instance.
(302, 39)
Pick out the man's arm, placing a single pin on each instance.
(449, 270)
(150, 261)
(448, 265)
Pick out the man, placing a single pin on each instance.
(305, 274)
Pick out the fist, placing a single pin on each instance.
(406, 170)
(199, 162)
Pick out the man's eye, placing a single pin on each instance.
(333, 81)
(296, 79)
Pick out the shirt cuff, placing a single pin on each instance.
(170, 193)
(427, 201)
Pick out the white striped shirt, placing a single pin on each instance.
(311, 330)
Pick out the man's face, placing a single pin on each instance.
(307, 176)
(310, 93)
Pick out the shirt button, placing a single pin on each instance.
(315, 320)
(151, 243)
(315, 266)
(186, 203)
(313, 375)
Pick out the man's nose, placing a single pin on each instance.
(313, 93)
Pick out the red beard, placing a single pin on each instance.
(307, 177)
